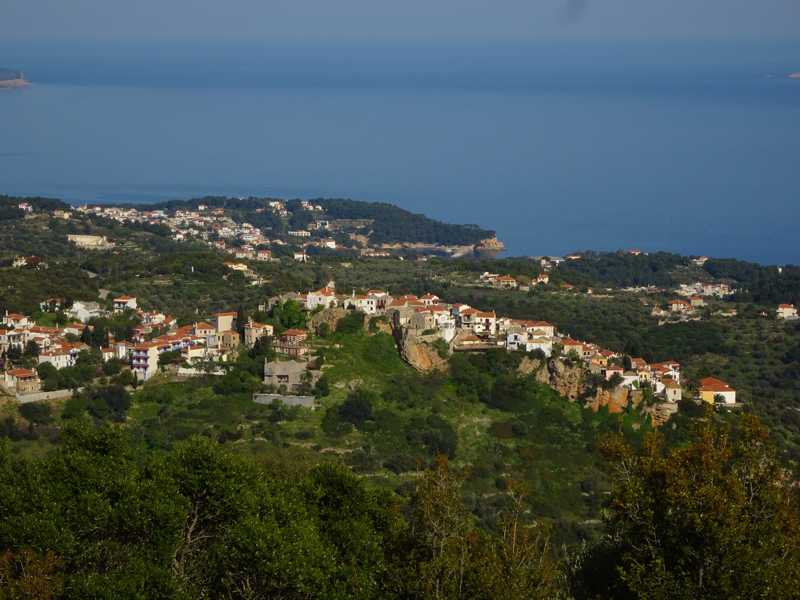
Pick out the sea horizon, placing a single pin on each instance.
(699, 143)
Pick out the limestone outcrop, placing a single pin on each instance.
(330, 316)
(419, 354)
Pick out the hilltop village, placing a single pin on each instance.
(140, 342)
(425, 329)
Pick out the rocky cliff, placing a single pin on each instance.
(565, 378)
(616, 400)
(489, 246)
(419, 354)
(569, 380)
(330, 316)
(486, 247)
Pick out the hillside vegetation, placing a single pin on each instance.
(393, 224)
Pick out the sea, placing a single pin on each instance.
(685, 147)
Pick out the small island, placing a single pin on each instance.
(794, 75)
(12, 79)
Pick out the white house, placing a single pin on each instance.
(543, 343)
(84, 311)
(713, 390)
(122, 303)
(429, 299)
(144, 360)
(539, 328)
(324, 297)
(787, 312)
(226, 321)
(59, 358)
(478, 321)
(15, 320)
(516, 340)
(672, 390)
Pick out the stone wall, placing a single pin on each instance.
(304, 401)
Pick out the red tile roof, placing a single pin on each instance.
(712, 384)
(478, 313)
(527, 323)
(294, 332)
(326, 291)
(22, 373)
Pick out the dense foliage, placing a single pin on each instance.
(757, 283)
(393, 224)
(38, 203)
(718, 518)
(621, 269)
(104, 517)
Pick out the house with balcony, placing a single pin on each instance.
(52, 304)
(679, 306)
(144, 360)
(122, 303)
(478, 321)
(365, 303)
(520, 339)
(292, 342)
(15, 320)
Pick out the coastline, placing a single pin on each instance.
(14, 83)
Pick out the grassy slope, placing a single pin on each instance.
(553, 461)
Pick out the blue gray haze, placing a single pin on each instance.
(573, 126)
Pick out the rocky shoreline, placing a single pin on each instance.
(13, 83)
(488, 247)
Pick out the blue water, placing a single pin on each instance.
(689, 149)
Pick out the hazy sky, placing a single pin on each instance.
(31, 20)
